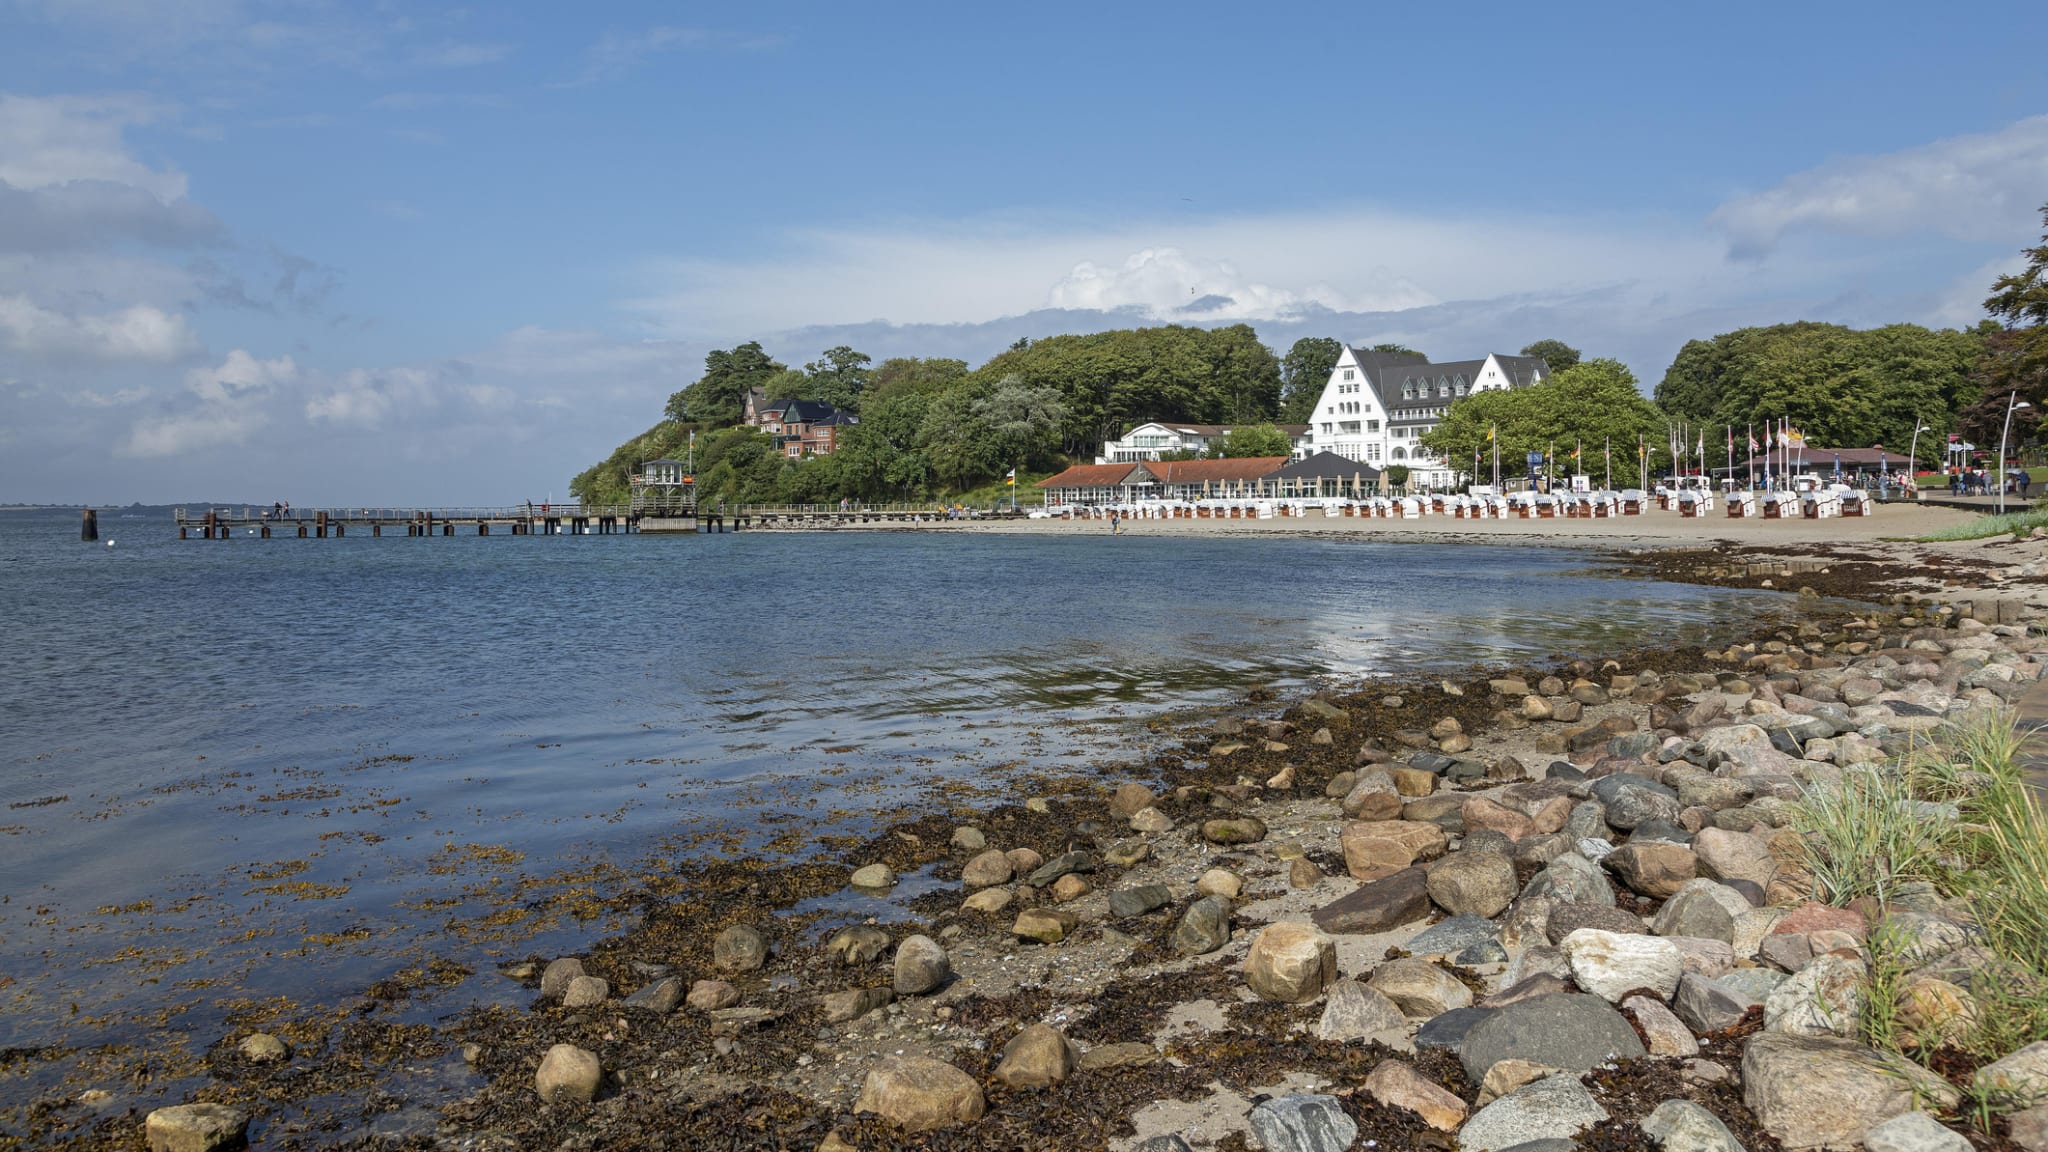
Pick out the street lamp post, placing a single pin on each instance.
(2012, 404)
(1913, 453)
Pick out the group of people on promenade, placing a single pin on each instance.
(1979, 482)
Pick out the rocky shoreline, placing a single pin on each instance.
(1530, 909)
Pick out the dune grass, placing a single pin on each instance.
(1876, 832)
(2016, 523)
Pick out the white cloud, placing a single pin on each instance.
(141, 333)
(1982, 187)
(1265, 266)
(240, 376)
(365, 399)
(193, 432)
(53, 140)
(618, 52)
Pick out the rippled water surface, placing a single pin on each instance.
(254, 767)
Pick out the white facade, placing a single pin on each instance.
(1148, 442)
(1377, 405)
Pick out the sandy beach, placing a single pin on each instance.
(1653, 529)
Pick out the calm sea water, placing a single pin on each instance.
(251, 768)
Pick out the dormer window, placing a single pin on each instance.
(1351, 374)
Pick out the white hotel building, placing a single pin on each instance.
(1377, 403)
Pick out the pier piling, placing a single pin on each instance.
(89, 527)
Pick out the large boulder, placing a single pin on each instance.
(1420, 988)
(1703, 908)
(2016, 1081)
(1570, 1031)
(1353, 1011)
(1683, 1126)
(1553, 1108)
(1611, 964)
(917, 1093)
(1203, 928)
(1373, 796)
(739, 949)
(1305, 1123)
(1815, 1092)
(1744, 750)
(1914, 1132)
(1825, 998)
(1725, 855)
(921, 966)
(1472, 883)
(1378, 905)
(194, 1128)
(1037, 1057)
(987, 870)
(568, 1074)
(1372, 846)
(1291, 963)
(1652, 868)
(1398, 1085)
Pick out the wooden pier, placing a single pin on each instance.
(539, 520)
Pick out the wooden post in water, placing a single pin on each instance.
(320, 525)
(89, 527)
(209, 525)
(266, 529)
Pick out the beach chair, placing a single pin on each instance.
(1857, 503)
(1633, 500)
(1411, 508)
(1741, 505)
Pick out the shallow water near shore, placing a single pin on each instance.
(250, 769)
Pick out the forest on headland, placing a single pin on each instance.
(937, 428)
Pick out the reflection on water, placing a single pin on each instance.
(218, 754)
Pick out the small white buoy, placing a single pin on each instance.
(110, 543)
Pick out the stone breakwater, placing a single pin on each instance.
(1530, 912)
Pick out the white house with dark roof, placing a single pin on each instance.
(1155, 438)
(1377, 405)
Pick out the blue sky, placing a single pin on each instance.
(361, 253)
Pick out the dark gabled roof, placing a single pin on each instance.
(1521, 368)
(803, 411)
(841, 419)
(1326, 466)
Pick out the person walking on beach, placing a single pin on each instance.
(2026, 482)
(1116, 527)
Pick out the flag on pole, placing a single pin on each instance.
(1489, 432)
(1011, 479)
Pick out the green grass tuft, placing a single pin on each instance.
(1983, 526)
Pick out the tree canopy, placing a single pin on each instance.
(1110, 381)
(1841, 386)
(1252, 440)
(719, 396)
(2015, 360)
(1592, 404)
(1556, 353)
(1304, 373)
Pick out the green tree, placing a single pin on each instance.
(1304, 373)
(1021, 423)
(2014, 363)
(840, 377)
(718, 397)
(1396, 476)
(1841, 386)
(1556, 353)
(923, 375)
(1592, 404)
(1252, 440)
(1397, 350)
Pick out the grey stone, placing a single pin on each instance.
(1606, 788)
(739, 949)
(1655, 831)
(1307, 1123)
(1568, 918)
(1166, 1143)
(1484, 952)
(1064, 864)
(1913, 1132)
(1612, 964)
(1572, 1032)
(1420, 988)
(1204, 927)
(1701, 908)
(1378, 905)
(857, 944)
(1683, 1126)
(568, 1073)
(1825, 998)
(1448, 1030)
(1587, 821)
(1555, 1107)
(660, 997)
(1472, 883)
(1573, 879)
(1452, 935)
(1757, 984)
(1353, 1011)
(1126, 902)
(1705, 1006)
(586, 992)
(854, 1003)
(554, 980)
(2018, 1080)
(921, 966)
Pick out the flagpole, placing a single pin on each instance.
(1607, 480)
